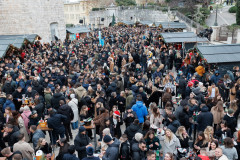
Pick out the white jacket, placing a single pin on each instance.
(223, 157)
(170, 146)
(74, 105)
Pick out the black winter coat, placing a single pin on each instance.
(66, 111)
(7, 88)
(184, 119)
(56, 123)
(117, 129)
(125, 151)
(39, 108)
(204, 119)
(37, 87)
(231, 122)
(132, 130)
(12, 137)
(55, 100)
(80, 143)
(137, 153)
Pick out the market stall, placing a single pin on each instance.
(224, 57)
(77, 32)
(171, 26)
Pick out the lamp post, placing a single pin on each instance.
(215, 23)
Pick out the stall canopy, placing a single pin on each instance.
(14, 40)
(171, 25)
(220, 53)
(79, 29)
(149, 23)
(182, 37)
(127, 22)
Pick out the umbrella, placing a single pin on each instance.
(113, 20)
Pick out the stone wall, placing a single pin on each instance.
(126, 15)
(32, 17)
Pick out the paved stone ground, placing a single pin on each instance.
(224, 17)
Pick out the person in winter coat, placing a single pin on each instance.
(125, 148)
(205, 118)
(120, 86)
(184, 117)
(63, 148)
(25, 116)
(140, 109)
(65, 110)
(215, 78)
(170, 142)
(7, 88)
(90, 155)
(183, 137)
(213, 91)
(24, 147)
(74, 106)
(56, 123)
(80, 92)
(229, 150)
(36, 135)
(112, 151)
(9, 103)
(39, 107)
(116, 121)
(37, 87)
(198, 95)
(182, 87)
(230, 120)
(30, 93)
(129, 98)
(70, 155)
(200, 70)
(156, 118)
(11, 134)
(99, 120)
(17, 98)
(173, 123)
(218, 113)
(139, 150)
(81, 142)
(152, 141)
(133, 129)
(57, 96)
(129, 116)
(47, 96)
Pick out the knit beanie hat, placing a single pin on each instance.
(138, 136)
(82, 129)
(107, 139)
(89, 151)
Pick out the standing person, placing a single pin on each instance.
(170, 141)
(230, 120)
(205, 118)
(133, 129)
(17, 97)
(200, 142)
(155, 118)
(140, 109)
(25, 116)
(218, 114)
(36, 135)
(116, 120)
(74, 105)
(67, 111)
(44, 146)
(81, 142)
(183, 137)
(213, 91)
(129, 116)
(152, 141)
(90, 155)
(229, 150)
(139, 150)
(125, 148)
(24, 147)
(212, 146)
(63, 148)
(151, 155)
(9, 103)
(57, 96)
(70, 155)
(56, 123)
(112, 151)
(10, 135)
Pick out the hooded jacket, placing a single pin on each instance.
(10, 104)
(66, 111)
(173, 126)
(137, 153)
(80, 142)
(80, 93)
(74, 105)
(129, 99)
(112, 151)
(132, 130)
(141, 111)
(204, 119)
(55, 100)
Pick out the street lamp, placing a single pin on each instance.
(215, 23)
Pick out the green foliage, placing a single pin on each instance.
(205, 11)
(233, 9)
(97, 9)
(125, 2)
(69, 25)
(238, 12)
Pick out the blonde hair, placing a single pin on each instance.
(39, 143)
(179, 132)
(82, 112)
(208, 133)
(233, 105)
(168, 139)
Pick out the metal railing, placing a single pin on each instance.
(189, 21)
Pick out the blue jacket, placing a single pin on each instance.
(36, 135)
(68, 156)
(141, 110)
(10, 104)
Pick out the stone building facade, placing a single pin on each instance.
(132, 14)
(42, 17)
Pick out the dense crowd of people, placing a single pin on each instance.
(147, 100)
